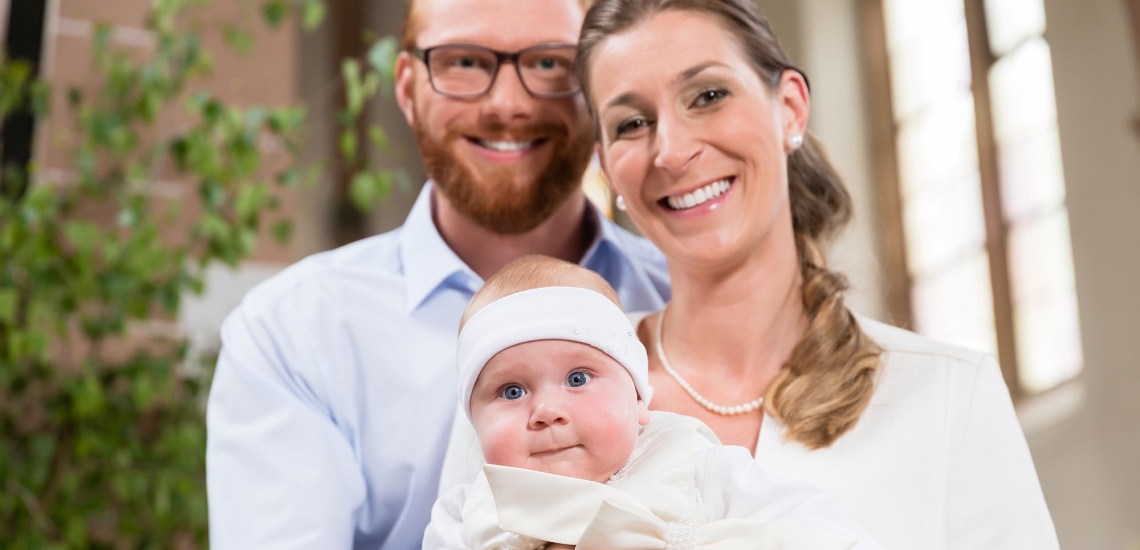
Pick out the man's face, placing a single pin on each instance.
(506, 160)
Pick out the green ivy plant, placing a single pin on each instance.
(102, 432)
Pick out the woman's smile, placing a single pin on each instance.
(700, 200)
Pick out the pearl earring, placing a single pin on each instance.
(795, 141)
(620, 203)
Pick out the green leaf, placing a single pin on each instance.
(83, 235)
(240, 40)
(382, 57)
(313, 12)
(274, 12)
(8, 300)
(348, 145)
(362, 191)
(282, 230)
(353, 88)
(378, 137)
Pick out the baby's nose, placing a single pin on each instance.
(548, 412)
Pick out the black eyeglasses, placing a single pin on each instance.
(467, 71)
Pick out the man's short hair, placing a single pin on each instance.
(536, 271)
(410, 29)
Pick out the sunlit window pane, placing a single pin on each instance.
(1011, 22)
(1021, 89)
(1048, 341)
(957, 306)
(929, 53)
(1041, 258)
(943, 226)
(939, 147)
(1032, 179)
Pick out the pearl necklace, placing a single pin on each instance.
(723, 410)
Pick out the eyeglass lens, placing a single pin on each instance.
(462, 70)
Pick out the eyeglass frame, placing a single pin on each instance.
(501, 57)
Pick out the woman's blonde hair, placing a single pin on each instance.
(830, 377)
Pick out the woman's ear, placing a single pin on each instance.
(794, 100)
(642, 412)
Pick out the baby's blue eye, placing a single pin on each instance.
(512, 392)
(578, 379)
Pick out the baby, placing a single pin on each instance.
(555, 383)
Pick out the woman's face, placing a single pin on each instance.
(692, 139)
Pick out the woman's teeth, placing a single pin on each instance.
(506, 145)
(700, 196)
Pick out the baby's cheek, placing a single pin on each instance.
(501, 444)
(618, 436)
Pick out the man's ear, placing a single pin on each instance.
(405, 84)
(642, 412)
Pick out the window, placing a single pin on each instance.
(979, 194)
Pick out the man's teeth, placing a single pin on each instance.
(700, 196)
(507, 145)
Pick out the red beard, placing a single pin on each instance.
(494, 203)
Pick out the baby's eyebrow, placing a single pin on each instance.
(494, 381)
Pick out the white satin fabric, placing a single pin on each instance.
(662, 499)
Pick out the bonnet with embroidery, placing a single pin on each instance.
(550, 313)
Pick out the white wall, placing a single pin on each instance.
(1098, 91)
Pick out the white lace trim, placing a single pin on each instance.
(520, 542)
(642, 444)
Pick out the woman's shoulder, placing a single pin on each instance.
(917, 368)
(901, 344)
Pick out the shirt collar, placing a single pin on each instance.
(429, 262)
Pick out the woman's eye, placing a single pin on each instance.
(512, 392)
(578, 379)
(708, 97)
(631, 125)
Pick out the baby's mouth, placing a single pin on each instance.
(554, 451)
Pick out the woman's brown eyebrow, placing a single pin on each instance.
(690, 73)
(623, 99)
(686, 75)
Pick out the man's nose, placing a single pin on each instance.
(676, 145)
(508, 100)
(548, 411)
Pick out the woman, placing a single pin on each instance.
(701, 122)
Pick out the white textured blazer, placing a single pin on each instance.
(936, 462)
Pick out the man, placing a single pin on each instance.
(336, 387)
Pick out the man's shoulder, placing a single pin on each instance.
(637, 248)
(372, 263)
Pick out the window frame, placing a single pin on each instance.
(884, 132)
(1133, 7)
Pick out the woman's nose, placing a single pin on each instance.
(676, 146)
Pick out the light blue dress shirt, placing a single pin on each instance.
(336, 388)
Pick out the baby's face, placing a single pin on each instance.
(559, 407)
